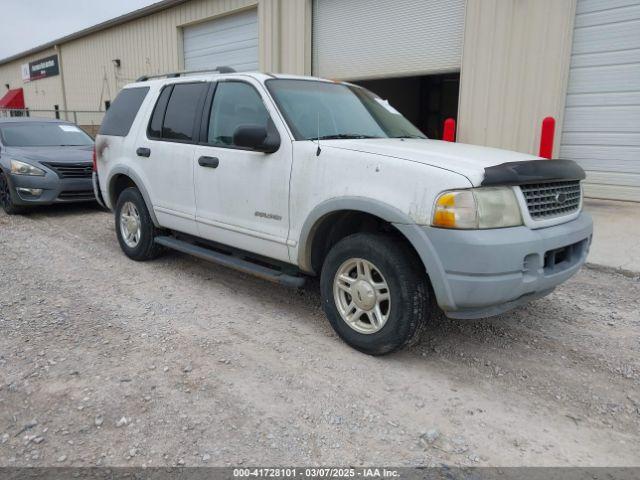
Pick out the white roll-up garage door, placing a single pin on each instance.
(601, 128)
(230, 41)
(362, 39)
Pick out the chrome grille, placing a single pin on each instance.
(552, 199)
(71, 170)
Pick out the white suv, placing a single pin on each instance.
(287, 177)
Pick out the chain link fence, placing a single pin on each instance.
(88, 120)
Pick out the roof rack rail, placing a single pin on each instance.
(221, 69)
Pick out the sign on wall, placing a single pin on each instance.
(26, 75)
(42, 68)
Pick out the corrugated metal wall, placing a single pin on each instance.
(231, 40)
(601, 129)
(153, 44)
(149, 45)
(39, 94)
(514, 71)
(365, 39)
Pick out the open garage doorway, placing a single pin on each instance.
(425, 100)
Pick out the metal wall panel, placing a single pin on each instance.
(601, 130)
(514, 71)
(148, 45)
(230, 41)
(38, 94)
(363, 39)
(154, 44)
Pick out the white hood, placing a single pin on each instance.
(468, 160)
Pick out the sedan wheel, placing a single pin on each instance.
(5, 197)
(5, 194)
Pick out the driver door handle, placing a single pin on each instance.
(209, 162)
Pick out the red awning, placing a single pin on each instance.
(13, 99)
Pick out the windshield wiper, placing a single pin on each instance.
(410, 136)
(343, 136)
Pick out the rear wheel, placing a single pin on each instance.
(6, 197)
(373, 292)
(134, 227)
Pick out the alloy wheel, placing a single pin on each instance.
(130, 224)
(362, 295)
(5, 195)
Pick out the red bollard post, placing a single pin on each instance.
(546, 137)
(449, 131)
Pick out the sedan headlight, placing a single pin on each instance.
(490, 207)
(21, 168)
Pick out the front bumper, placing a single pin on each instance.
(488, 272)
(54, 189)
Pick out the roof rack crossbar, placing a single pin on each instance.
(221, 69)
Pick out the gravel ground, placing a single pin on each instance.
(104, 361)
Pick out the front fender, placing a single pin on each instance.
(414, 234)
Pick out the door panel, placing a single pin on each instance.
(169, 175)
(169, 165)
(241, 195)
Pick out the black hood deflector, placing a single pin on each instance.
(532, 171)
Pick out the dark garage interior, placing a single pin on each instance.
(425, 100)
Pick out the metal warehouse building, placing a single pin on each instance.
(498, 66)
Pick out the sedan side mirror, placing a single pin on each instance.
(256, 138)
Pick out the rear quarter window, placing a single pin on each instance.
(182, 111)
(122, 112)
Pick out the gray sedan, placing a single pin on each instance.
(43, 162)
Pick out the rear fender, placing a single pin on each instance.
(122, 170)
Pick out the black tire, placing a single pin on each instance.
(6, 197)
(408, 289)
(146, 248)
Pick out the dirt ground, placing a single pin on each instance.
(104, 361)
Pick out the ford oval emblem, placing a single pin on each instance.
(561, 198)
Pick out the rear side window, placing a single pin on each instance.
(155, 126)
(177, 110)
(122, 112)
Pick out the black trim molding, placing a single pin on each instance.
(532, 171)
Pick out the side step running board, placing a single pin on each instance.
(236, 263)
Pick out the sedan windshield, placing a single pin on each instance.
(43, 135)
(327, 110)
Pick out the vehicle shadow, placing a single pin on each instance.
(438, 328)
(536, 337)
(62, 209)
(507, 344)
(306, 303)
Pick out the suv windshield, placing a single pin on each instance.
(43, 135)
(326, 110)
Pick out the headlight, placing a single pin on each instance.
(21, 168)
(491, 207)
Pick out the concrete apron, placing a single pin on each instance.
(616, 235)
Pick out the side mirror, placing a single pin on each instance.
(257, 138)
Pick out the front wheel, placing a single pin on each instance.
(134, 227)
(6, 197)
(373, 292)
